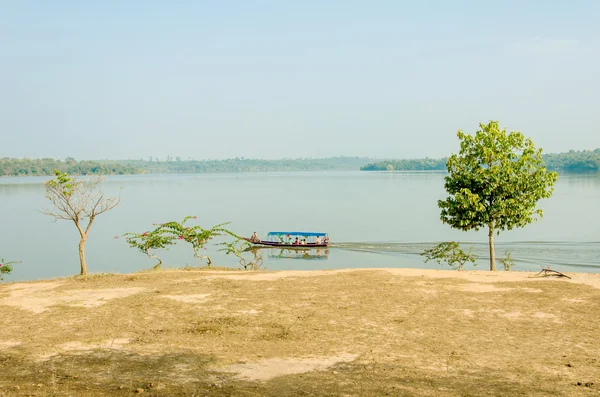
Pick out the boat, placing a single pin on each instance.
(286, 239)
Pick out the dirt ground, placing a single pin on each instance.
(369, 332)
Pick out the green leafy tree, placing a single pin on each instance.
(149, 242)
(169, 233)
(450, 252)
(79, 201)
(195, 235)
(6, 268)
(495, 181)
(238, 247)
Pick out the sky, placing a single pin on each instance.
(116, 79)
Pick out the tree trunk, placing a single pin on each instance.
(492, 249)
(84, 271)
(157, 266)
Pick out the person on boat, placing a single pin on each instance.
(255, 237)
(296, 242)
(326, 240)
(318, 240)
(303, 242)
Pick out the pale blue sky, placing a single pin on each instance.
(272, 79)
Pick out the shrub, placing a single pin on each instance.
(450, 253)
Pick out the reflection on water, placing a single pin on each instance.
(291, 253)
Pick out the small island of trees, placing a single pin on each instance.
(580, 161)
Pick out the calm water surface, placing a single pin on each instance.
(374, 219)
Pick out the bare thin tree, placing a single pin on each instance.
(78, 200)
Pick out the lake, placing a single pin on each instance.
(374, 219)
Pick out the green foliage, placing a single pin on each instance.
(507, 262)
(194, 235)
(572, 161)
(580, 161)
(169, 233)
(63, 183)
(495, 180)
(149, 242)
(450, 252)
(239, 247)
(46, 166)
(19, 167)
(425, 164)
(6, 268)
(245, 165)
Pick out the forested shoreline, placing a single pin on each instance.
(46, 166)
(581, 161)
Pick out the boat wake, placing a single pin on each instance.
(580, 256)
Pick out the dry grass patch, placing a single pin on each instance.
(274, 367)
(334, 333)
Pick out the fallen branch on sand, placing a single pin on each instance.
(547, 272)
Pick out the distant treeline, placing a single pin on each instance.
(425, 164)
(572, 161)
(22, 167)
(178, 166)
(33, 167)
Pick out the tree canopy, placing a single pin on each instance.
(495, 181)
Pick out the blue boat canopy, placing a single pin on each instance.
(306, 234)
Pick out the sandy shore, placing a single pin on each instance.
(332, 332)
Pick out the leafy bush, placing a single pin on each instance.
(240, 246)
(507, 261)
(6, 268)
(450, 253)
(169, 233)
